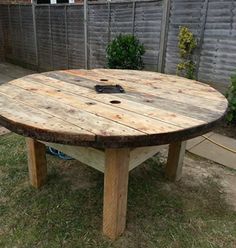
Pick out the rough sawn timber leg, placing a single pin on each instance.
(115, 191)
(37, 163)
(175, 160)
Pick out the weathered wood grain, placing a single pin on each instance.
(70, 114)
(37, 163)
(115, 191)
(125, 103)
(29, 121)
(144, 116)
(186, 110)
(87, 155)
(95, 158)
(141, 154)
(89, 105)
(148, 88)
(175, 160)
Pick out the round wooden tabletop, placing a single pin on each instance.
(63, 107)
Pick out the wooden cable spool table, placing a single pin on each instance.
(113, 133)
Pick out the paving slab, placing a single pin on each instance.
(4, 78)
(205, 148)
(13, 71)
(198, 140)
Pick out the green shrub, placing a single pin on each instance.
(231, 96)
(125, 52)
(187, 43)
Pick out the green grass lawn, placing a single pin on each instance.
(67, 211)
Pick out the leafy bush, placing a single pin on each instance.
(231, 96)
(187, 43)
(125, 52)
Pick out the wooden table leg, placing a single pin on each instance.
(36, 162)
(175, 160)
(115, 191)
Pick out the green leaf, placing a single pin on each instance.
(125, 52)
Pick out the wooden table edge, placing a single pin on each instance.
(109, 141)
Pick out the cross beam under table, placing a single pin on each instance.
(115, 164)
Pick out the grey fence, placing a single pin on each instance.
(1, 43)
(214, 24)
(48, 37)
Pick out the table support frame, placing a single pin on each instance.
(116, 164)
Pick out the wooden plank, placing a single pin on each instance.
(95, 158)
(158, 82)
(175, 107)
(166, 109)
(87, 155)
(157, 86)
(68, 113)
(29, 121)
(181, 109)
(37, 163)
(127, 103)
(141, 117)
(136, 122)
(160, 89)
(115, 191)
(134, 76)
(175, 160)
(141, 154)
(210, 104)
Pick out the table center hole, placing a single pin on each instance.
(115, 102)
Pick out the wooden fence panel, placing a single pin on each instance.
(27, 35)
(59, 37)
(97, 34)
(148, 18)
(183, 13)
(6, 35)
(218, 54)
(75, 33)
(121, 19)
(16, 32)
(44, 38)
